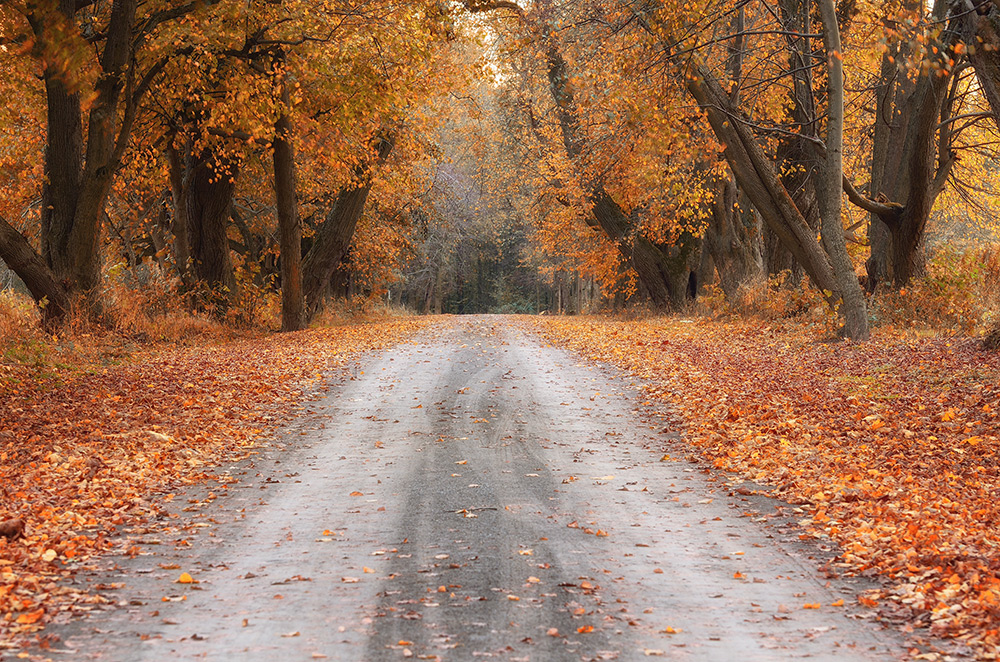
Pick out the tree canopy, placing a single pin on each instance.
(486, 154)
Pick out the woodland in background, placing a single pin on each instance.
(245, 161)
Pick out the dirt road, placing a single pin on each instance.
(475, 495)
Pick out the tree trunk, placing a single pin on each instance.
(333, 237)
(733, 239)
(910, 116)
(649, 261)
(289, 225)
(76, 191)
(23, 260)
(211, 184)
(879, 238)
(652, 265)
(179, 222)
(795, 159)
(756, 176)
(830, 183)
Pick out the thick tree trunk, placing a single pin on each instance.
(795, 158)
(29, 266)
(733, 239)
(76, 191)
(289, 225)
(828, 188)
(910, 115)
(211, 184)
(333, 237)
(179, 222)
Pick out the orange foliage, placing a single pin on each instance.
(84, 453)
(891, 446)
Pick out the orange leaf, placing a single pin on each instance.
(30, 617)
(585, 628)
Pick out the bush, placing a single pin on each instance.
(19, 319)
(769, 299)
(959, 294)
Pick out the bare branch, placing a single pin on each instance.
(887, 211)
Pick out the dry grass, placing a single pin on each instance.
(959, 295)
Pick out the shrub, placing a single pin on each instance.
(960, 294)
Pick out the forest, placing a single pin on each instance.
(779, 215)
(245, 163)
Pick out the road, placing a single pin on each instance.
(472, 495)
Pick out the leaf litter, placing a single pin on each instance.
(97, 452)
(890, 448)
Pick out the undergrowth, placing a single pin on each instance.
(958, 295)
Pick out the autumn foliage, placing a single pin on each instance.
(89, 452)
(890, 447)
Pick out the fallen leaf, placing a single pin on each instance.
(28, 618)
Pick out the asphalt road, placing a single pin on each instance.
(474, 495)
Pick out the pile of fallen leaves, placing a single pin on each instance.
(83, 453)
(891, 446)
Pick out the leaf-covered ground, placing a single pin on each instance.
(85, 452)
(890, 447)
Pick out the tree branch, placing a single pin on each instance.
(887, 211)
(493, 5)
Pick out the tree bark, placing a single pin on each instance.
(179, 221)
(795, 158)
(333, 238)
(23, 260)
(289, 224)
(76, 192)
(828, 188)
(733, 239)
(910, 117)
(211, 183)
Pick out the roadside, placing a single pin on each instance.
(890, 449)
(87, 453)
(475, 494)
